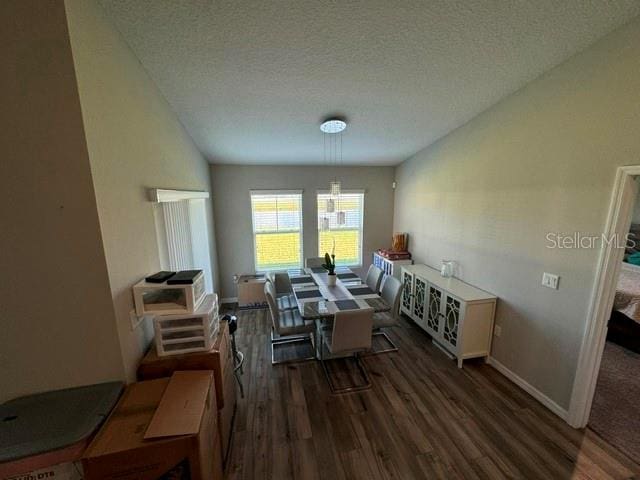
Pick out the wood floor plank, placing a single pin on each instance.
(422, 418)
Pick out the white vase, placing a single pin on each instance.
(331, 280)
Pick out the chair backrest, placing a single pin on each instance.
(281, 282)
(391, 292)
(313, 262)
(352, 330)
(270, 293)
(374, 277)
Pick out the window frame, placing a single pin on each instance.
(360, 227)
(253, 227)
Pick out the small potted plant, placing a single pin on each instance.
(330, 265)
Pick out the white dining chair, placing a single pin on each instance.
(313, 262)
(373, 278)
(350, 335)
(285, 298)
(391, 293)
(288, 325)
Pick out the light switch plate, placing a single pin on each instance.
(497, 330)
(550, 280)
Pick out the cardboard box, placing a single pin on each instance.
(160, 429)
(218, 359)
(227, 413)
(62, 471)
(251, 291)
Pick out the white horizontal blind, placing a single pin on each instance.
(277, 230)
(347, 237)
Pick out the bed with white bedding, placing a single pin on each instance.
(627, 300)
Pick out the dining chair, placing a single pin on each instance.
(391, 292)
(288, 325)
(350, 335)
(373, 278)
(285, 298)
(313, 262)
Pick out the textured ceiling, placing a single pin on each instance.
(251, 79)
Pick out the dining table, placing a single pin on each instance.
(319, 301)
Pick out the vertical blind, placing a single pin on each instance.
(347, 237)
(184, 238)
(277, 229)
(178, 235)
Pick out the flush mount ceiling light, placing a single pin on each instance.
(333, 125)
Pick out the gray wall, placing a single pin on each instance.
(543, 160)
(135, 141)
(58, 325)
(232, 209)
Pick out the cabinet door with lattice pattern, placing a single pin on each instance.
(406, 304)
(452, 311)
(433, 321)
(419, 300)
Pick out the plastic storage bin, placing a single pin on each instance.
(185, 333)
(166, 299)
(44, 435)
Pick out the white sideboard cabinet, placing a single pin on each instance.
(458, 316)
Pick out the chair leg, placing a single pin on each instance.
(355, 388)
(288, 340)
(393, 348)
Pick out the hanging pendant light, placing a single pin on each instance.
(342, 217)
(332, 130)
(334, 188)
(331, 205)
(325, 224)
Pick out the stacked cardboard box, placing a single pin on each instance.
(219, 360)
(164, 428)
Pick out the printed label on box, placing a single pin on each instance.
(62, 471)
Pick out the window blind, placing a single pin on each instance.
(183, 236)
(277, 230)
(347, 237)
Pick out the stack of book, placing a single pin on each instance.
(393, 254)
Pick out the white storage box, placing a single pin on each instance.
(163, 299)
(185, 333)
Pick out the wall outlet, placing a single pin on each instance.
(497, 330)
(550, 280)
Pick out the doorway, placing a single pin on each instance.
(612, 254)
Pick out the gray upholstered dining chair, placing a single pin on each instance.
(285, 298)
(313, 262)
(288, 325)
(350, 335)
(391, 293)
(373, 278)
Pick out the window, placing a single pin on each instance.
(182, 231)
(277, 229)
(348, 237)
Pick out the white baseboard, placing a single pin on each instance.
(229, 300)
(530, 389)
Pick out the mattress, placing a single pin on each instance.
(627, 299)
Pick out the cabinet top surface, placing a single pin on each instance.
(455, 286)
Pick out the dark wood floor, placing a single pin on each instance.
(422, 418)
